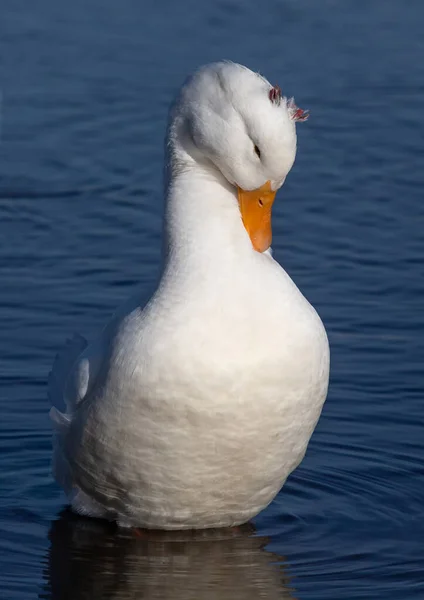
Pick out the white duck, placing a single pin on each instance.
(192, 410)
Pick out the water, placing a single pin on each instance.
(85, 88)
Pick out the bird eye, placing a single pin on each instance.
(258, 152)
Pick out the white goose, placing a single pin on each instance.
(192, 410)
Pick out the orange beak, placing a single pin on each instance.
(255, 208)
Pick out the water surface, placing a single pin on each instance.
(85, 88)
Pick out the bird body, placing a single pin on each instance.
(191, 410)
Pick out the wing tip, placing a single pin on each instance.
(62, 365)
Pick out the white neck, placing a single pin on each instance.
(203, 224)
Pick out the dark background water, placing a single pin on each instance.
(85, 88)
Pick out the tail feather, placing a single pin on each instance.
(62, 366)
(61, 421)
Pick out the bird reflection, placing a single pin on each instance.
(91, 559)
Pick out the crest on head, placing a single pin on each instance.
(275, 95)
(295, 113)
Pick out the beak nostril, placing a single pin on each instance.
(260, 202)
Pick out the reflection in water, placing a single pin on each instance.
(93, 560)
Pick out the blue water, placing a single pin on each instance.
(85, 88)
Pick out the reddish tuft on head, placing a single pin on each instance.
(275, 95)
(296, 114)
(301, 115)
